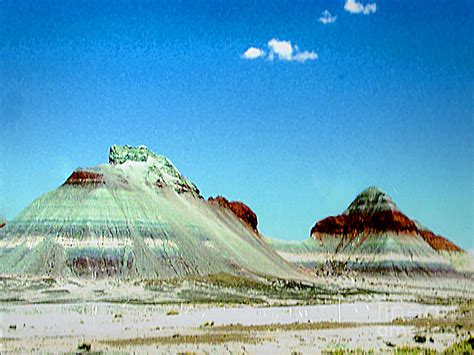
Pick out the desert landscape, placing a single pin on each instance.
(236, 177)
(129, 257)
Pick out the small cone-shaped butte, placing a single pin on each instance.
(373, 235)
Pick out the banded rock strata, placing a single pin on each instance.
(135, 217)
(373, 235)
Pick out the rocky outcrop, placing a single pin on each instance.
(152, 168)
(119, 154)
(240, 209)
(372, 212)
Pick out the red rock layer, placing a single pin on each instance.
(80, 177)
(240, 209)
(438, 242)
(382, 221)
(352, 224)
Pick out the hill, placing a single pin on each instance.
(135, 217)
(373, 235)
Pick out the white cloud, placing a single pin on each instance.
(281, 50)
(304, 56)
(253, 53)
(326, 18)
(355, 7)
(284, 50)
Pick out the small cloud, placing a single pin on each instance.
(282, 49)
(285, 51)
(355, 7)
(304, 56)
(326, 18)
(253, 53)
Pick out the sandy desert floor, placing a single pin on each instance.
(377, 326)
(231, 315)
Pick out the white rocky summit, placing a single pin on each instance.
(155, 169)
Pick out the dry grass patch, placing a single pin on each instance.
(291, 326)
(208, 338)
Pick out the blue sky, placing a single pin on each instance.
(387, 101)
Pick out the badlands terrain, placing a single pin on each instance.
(128, 256)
